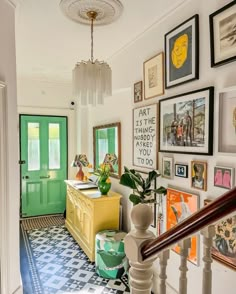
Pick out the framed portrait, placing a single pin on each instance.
(186, 123)
(199, 175)
(152, 196)
(167, 167)
(224, 177)
(226, 110)
(180, 205)
(182, 53)
(145, 136)
(138, 91)
(181, 170)
(223, 35)
(223, 249)
(153, 71)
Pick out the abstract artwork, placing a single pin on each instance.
(224, 177)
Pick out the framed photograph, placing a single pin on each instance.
(186, 123)
(223, 35)
(181, 170)
(153, 71)
(199, 175)
(224, 249)
(180, 205)
(145, 149)
(152, 196)
(167, 167)
(182, 53)
(138, 91)
(226, 110)
(224, 177)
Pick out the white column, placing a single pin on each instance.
(163, 257)
(208, 233)
(185, 245)
(141, 272)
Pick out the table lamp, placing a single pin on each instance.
(80, 161)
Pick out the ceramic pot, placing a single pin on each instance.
(104, 187)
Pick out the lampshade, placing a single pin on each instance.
(111, 158)
(80, 160)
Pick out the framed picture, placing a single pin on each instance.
(199, 175)
(145, 136)
(167, 167)
(152, 196)
(182, 53)
(223, 249)
(224, 177)
(138, 91)
(180, 205)
(223, 35)
(226, 106)
(181, 170)
(153, 70)
(186, 123)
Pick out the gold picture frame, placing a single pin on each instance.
(199, 175)
(153, 71)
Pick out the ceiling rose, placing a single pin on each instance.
(107, 10)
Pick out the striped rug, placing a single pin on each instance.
(42, 222)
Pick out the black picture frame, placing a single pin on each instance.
(184, 67)
(181, 170)
(186, 122)
(222, 45)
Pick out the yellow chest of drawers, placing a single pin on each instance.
(86, 215)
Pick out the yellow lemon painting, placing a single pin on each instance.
(179, 52)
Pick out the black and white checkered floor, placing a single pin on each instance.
(58, 265)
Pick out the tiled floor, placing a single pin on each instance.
(58, 265)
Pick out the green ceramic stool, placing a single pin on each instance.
(110, 259)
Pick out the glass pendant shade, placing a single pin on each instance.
(92, 81)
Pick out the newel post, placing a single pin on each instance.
(141, 272)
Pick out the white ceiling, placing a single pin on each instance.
(48, 44)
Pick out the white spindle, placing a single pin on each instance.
(208, 233)
(163, 257)
(185, 245)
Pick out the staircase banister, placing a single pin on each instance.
(207, 215)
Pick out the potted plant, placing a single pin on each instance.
(142, 188)
(104, 182)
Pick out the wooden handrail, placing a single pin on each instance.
(207, 215)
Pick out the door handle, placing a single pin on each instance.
(25, 177)
(44, 177)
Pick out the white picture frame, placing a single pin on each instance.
(167, 167)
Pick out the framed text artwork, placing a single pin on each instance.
(182, 53)
(224, 249)
(180, 205)
(153, 70)
(138, 91)
(145, 136)
(226, 110)
(223, 35)
(186, 123)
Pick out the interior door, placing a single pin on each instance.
(43, 148)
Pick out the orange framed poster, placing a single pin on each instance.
(180, 205)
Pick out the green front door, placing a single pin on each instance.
(43, 148)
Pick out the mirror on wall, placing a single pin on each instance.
(107, 147)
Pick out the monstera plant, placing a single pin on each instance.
(142, 188)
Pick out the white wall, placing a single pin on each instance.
(8, 75)
(127, 69)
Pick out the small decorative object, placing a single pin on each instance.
(181, 170)
(199, 175)
(224, 248)
(138, 91)
(182, 53)
(224, 177)
(104, 182)
(80, 161)
(142, 190)
(186, 123)
(167, 167)
(153, 70)
(226, 110)
(145, 136)
(223, 35)
(180, 205)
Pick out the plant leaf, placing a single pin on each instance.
(134, 198)
(160, 190)
(127, 181)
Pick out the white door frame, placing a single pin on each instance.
(4, 195)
